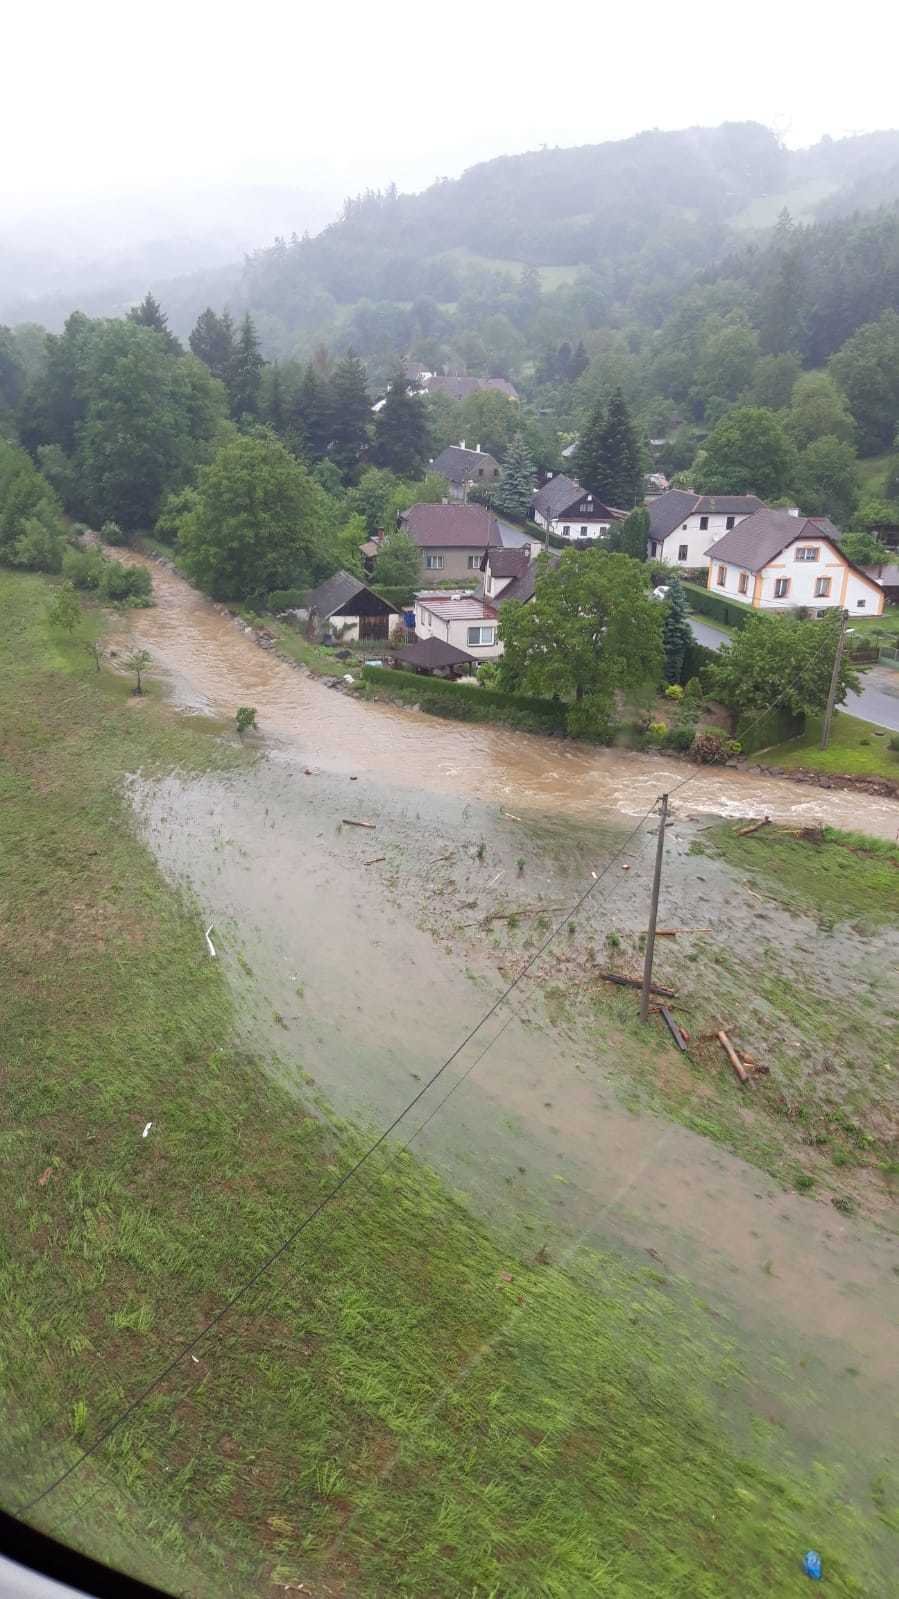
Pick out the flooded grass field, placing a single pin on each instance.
(571, 1341)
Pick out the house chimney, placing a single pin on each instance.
(461, 444)
(527, 550)
(792, 510)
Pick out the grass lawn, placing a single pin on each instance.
(856, 748)
(399, 1407)
(848, 875)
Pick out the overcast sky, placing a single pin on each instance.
(98, 97)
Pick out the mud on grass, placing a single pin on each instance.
(400, 1406)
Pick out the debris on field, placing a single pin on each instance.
(375, 860)
(744, 832)
(146, 1129)
(811, 1565)
(44, 1177)
(542, 1256)
(349, 822)
(732, 1056)
(673, 1028)
(635, 982)
(209, 944)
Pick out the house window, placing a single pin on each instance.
(435, 563)
(682, 552)
(729, 522)
(482, 635)
(808, 552)
(474, 562)
(566, 531)
(743, 584)
(584, 531)
(822, 587)
(861, 604)
(722, 574)
(653, 547)
(781, 588)
(703, 524)
(480, 471)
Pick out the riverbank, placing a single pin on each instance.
(411, 1405)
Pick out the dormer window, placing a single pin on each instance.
(808, 552)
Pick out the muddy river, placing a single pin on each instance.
(212, 666)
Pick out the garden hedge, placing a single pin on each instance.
(465, 700)
(729, 611)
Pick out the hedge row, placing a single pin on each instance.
(729, 611)
(444, 694)
(775, 727)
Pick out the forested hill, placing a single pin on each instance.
(630, 222)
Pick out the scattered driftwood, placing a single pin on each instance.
(674, 932)
(744, 832)
(509, 916)
(375, 860)
(673, 1028)
(635, 982)
(349, 822)
(732, 1056)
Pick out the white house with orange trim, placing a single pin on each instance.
(779, 560)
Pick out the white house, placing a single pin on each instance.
(682, 524)
(464, 620)
(565, 508)
(778, 560)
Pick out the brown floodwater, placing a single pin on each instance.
(212, 666)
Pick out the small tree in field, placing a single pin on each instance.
(137, 662)
(64, 610)
(95, 648)
(245, 719)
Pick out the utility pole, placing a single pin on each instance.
(653, 912)
(834, 682)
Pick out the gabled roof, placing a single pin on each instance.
(460, 527)
(459, 388)
(512, 562)
(432, 653)
(669, 510)
(524, 586)
(458, 607)
(884, 576)
(337, 591)
(559, 492)
(755, 542)
(461, 465)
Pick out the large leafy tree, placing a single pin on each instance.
(827, 480)
(865, 549)
(12, 371)
(260, 522)
(246, 371)
(748, 452)
(818, 409)
(608, 459)
(591, 628)
(402, 439)
(867, 369)
(150, 419)
(212, 342)
(350, 416)
(398, 562)
(149, 314)
(775, 660)
(25, 498)
(677, 635)
(516, 486)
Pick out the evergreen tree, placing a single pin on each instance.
(212, 342)
(630, 536)
(402, 436)
(677, 635)
(579, 362)
(246, 371)
(610, 455)
(516, 486)
(350, 416)
(273, 406)
(149, 314)
(311, 413)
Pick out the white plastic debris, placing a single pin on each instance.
(209, 944)
(146, 1129)
(348, 677)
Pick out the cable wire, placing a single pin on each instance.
(282, 1249)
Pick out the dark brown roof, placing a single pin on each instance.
(512, 562)
(337, 591)
(559, 492)
(461, 465)
(756, 541)
(461, 527)
(669, 510)
(523, 587)
(432, 653)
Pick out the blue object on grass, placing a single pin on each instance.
(811, 1565)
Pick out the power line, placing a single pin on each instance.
(277, 1254)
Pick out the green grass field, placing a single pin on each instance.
(401, 1407)
(856, 748)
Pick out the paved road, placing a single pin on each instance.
(513, 538)
(878, 700)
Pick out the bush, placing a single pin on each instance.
(38, 547)
(693, 692)
(894, 742)
(403, 598)
(711, 746)
(680, 738)
(111, 533)
(287, 599)
(128, 583)
(716, 606)
(245, 718)
(468, 702)
(674, 691)
(84, 568)
(657, 730)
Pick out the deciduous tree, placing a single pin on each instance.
(827, 480)
(398, 562)
(775, 660)
(747, 452)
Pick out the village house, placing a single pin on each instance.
(452, 538)
(344, 606)
(682, 524)
(466, 469)
(508, 574)
(779, 560)
(887, 579)
(563, 507)
(466, 621)
(461, 388)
